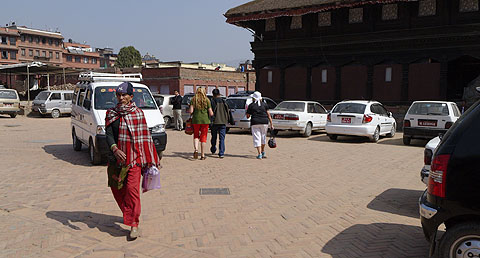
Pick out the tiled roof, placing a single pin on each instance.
(264, 9)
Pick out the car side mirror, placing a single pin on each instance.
(390, 114)
(440, 135)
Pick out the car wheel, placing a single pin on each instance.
(55, 113)
(308, 130)
(333, 137)
(461, 240)
(95, 157)
(406, 140)
(77, 144)
(13, 115)
(392, 131)
(168, 121)
(376, 135)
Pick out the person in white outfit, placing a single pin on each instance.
(260, 119)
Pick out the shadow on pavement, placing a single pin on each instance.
(378, 240)
(399, 142)
(342, 139)
(189, 155)
(66, 153)
(104, 223)
(397, 201)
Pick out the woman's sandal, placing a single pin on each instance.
(195, 155)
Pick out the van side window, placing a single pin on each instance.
(81, 97)
(56, 96)
(67, 96)
(88, 96)
(75, 96)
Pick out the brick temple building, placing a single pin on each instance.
(393, 51)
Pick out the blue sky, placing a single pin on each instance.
(172, 30)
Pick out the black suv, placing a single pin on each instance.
(453, 194)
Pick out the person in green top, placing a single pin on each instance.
(201, 109)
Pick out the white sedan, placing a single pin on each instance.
(302, 116)
(360, 118)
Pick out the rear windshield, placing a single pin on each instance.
(349, 108)
(42, 95)
(105, 98)
(7, 94)
(236, 103)
(438, 109)
(291, 106)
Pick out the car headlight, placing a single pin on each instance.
(158, 129)
(100, 129)
(42, 105)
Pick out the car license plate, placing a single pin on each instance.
(346, 120)
(427, 122)
(278, 116)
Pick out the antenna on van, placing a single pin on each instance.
(96, 77)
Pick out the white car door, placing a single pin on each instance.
(312, 115)
(321, 116)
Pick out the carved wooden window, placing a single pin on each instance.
(355, 15)
(427, 7)
(324, 19)
(296, 23)
(389, 12)
(270, 24)
(468, 6)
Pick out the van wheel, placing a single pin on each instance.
(168, 121)
(55, 113)
(308, 130)
(392, 131)
(333, 137)
(77, 144)
(376, 135)
(95, 157)
(406, 140)
(13, 115)
(461, 240)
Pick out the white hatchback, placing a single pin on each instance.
(302, 116)
(428, 119)
(360, 118)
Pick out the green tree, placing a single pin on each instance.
(128, 57)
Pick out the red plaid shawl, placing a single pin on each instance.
(133, 129)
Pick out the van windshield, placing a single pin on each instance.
(105, 98)
(8, 94)
(43, 95)
(236, 103)
(436, 109)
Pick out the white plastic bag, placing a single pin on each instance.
(151, 179)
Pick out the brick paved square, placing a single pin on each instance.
(310, 198)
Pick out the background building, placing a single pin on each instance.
(186, 80)
(394, 51)
(80, 56)
(8, 46)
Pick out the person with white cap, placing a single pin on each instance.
(260, 118)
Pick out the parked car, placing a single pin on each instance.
(453, 193)
(53, 102)
(93, 95)
(239, 106)
(428, 119)
(301, 116)
(360, 118)
(427, 158)
(9, 102)
(164, 103)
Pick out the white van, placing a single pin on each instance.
(93, 95)
(53, 102)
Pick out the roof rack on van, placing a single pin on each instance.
(95, 77)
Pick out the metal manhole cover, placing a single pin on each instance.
(214, 191)
(11, 125)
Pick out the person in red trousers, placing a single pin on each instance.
(132, 146)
